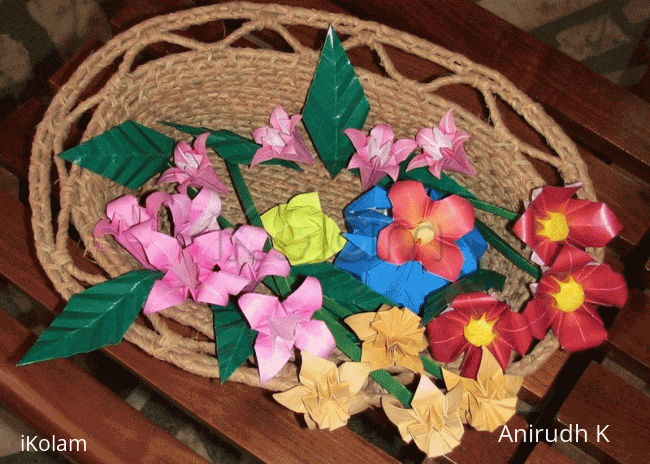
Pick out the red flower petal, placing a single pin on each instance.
(441, 258)
(579, 330)
(410, 201)
(453, 215)
(395, 244)
(472, 362)
(447, 337)
(513, 328)
(591, 224)
(539, 314)
(602, 286)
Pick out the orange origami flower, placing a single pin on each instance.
(554, 219)
(567, 296)
(426, 230)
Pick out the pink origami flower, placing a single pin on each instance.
(242, 254)
(378, 154)
(283, 325)
(126, 216)
(193, 168)
(477, 320)
(554, 219)
(442, 148)
(426, 230)
(567, 296)
(281, 140)
(191, 217)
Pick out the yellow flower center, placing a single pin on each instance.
(479, 331)
(555, 227)
(570, 297)
(424, 232)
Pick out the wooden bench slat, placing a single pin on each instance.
(601, 399)
(63, 401)
(544, 454)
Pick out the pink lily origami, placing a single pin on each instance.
(283, 325)
(193, 168)
(281, 140)
(426, 230)
(477, 320)
(554, 219)
(567, 296)
(442, 148)
(191, 217)
(378, 154)
(125, 218)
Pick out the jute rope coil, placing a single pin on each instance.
(220, 86)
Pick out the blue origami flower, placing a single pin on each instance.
(408, 284)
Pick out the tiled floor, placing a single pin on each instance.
(608, 36)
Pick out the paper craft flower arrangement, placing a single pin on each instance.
(406, 283)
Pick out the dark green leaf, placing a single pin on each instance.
(342, 287)
(336, 101)
(231, 146)
(480, 280)
(97, 317)
(431, 366)
(234, 338)
(129, 154)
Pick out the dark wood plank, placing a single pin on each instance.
(601, 399)
(607, 118)
(538, 385)
(16, 132)
(60, 399)
(629, 335)
(544, 454)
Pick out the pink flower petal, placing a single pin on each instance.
(315, 337)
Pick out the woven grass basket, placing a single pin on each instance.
(221, 86)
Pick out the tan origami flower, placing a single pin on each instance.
(489, 401)
(391, 337)
(326, 395)
(433, 421)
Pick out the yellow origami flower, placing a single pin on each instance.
(302, 231)
(433, 421)
(327, 394)
(489, 401)
(391, 337)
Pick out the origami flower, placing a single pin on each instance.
(408, 284)
(554, 219)
(477, 320)
(567, 296)
(187, 272)
(191, 217)
(301, 231)
(126, 216)
(193, 168)
(425, 230)
(281, 140)
(442, 148)
(391, 337)
(434, 421)
(327, 393)
(283, 325)
(378, 154)
(489, 401)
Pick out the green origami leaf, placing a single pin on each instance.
(234, 337)
(230, 146)
(343, 288)
(480, 280)
(129, 154)
(97, 317)
(336, 101)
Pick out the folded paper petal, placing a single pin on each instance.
(567, 296)
(281, 140)
(477, 320)
(326, 392)
(555, 219)
(408, 284)
(302, 232)
(378, 154)
(391, 337)
(283, 325)
(489, 401)
(433, 422)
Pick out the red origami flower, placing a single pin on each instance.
(567, 296)
(554, 219)
(477, 320)
(426, 230)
